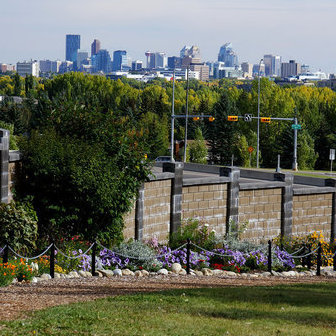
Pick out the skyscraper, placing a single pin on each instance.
(120, 60)
(72, 44)
(95, 47)
(227, 55)
(272, 65)
(102, 61)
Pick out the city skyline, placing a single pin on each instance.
(296, 29)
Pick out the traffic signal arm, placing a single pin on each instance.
(265, 119)
(232, 118)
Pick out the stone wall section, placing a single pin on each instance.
(208, 202)
(312, 213)
(262, 210)
(129, 224)
(156, 215)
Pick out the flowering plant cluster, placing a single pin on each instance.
(15, 269)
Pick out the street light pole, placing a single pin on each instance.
(186, 121)
(172, 122)
(258, 127)
(295, 165)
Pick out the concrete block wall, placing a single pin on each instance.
(156, 214)
(208, 202)
(261, 208)
(312, 213)
(129, 224)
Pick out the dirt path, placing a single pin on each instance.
(18, 299)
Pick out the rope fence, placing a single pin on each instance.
(306, 258)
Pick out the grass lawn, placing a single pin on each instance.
(283, 310)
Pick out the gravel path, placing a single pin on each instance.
(19, 299)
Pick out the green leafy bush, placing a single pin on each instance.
(18, 226)
(197, 231)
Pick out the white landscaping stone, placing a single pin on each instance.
(82, 273)
(126, 272)
(57, 275)
(217, 272)
(45, 276)
(34, 280)
(88, 274)
(244, 275)
(116, 272)
(253, 276)
(206, 271)
(182, 272)
(145, 273)
(74, 274)
(199, 273)
(138, 274)
(163, 271)
(176, 268)
(229, 273)
(266, 274)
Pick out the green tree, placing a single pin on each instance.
(197, 151)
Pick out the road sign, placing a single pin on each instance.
(232, 118)
(332, 154)
(248, 117)
(265, 120)
(250, 149)
(296, 126)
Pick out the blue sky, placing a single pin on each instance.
(295, 29)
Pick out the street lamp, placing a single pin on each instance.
(186, 121)
(258, 127)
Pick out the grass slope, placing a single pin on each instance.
(283, 310)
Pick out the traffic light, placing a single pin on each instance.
(211, 119)
(196, 118)
(266, 120)
(232, 118)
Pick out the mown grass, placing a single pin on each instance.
(283, 310)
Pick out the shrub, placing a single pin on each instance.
(18, 225)
(197, 231)
(7, 273)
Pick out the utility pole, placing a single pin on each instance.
(186, 120)
(258, 127)
(172, 122)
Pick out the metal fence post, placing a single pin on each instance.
(93, 259)
(52, 260)
(319, 259)
(188, 256)
(269, 261)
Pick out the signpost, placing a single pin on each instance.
(331, 158)
(297, 127)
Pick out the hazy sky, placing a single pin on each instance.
(303, 30)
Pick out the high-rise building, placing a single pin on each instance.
(272, 65)
(6, 67)
(47, 66)
(120, 61)
(82, 58)
(227, 55)
(290, 69)
(102, 61)
(156, 60)
(28, 68)
(247, 69)
(174, 62)
(95, 47)
(136, 65)
(65, 67)
(222, 71)
(72, 45)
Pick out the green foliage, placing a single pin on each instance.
(12, 138)
(197, 231)
(197, 151)
(18, 226)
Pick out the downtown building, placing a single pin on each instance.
(72, 45)
(28, 68)
(272, 65)
(290, 69)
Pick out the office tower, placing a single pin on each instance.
(136, 65)
(228, 56)
(102, 61)
(66, 66)
(155, 60)
(82, 57)
(6, 67)
(174, 62)
(28, 68)
(247, 69)
(47, 66)
(120, 61)
(95, 47)
(222, 71)
(272, 65)
(256, 70)
(72, 45)
(290, 69)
